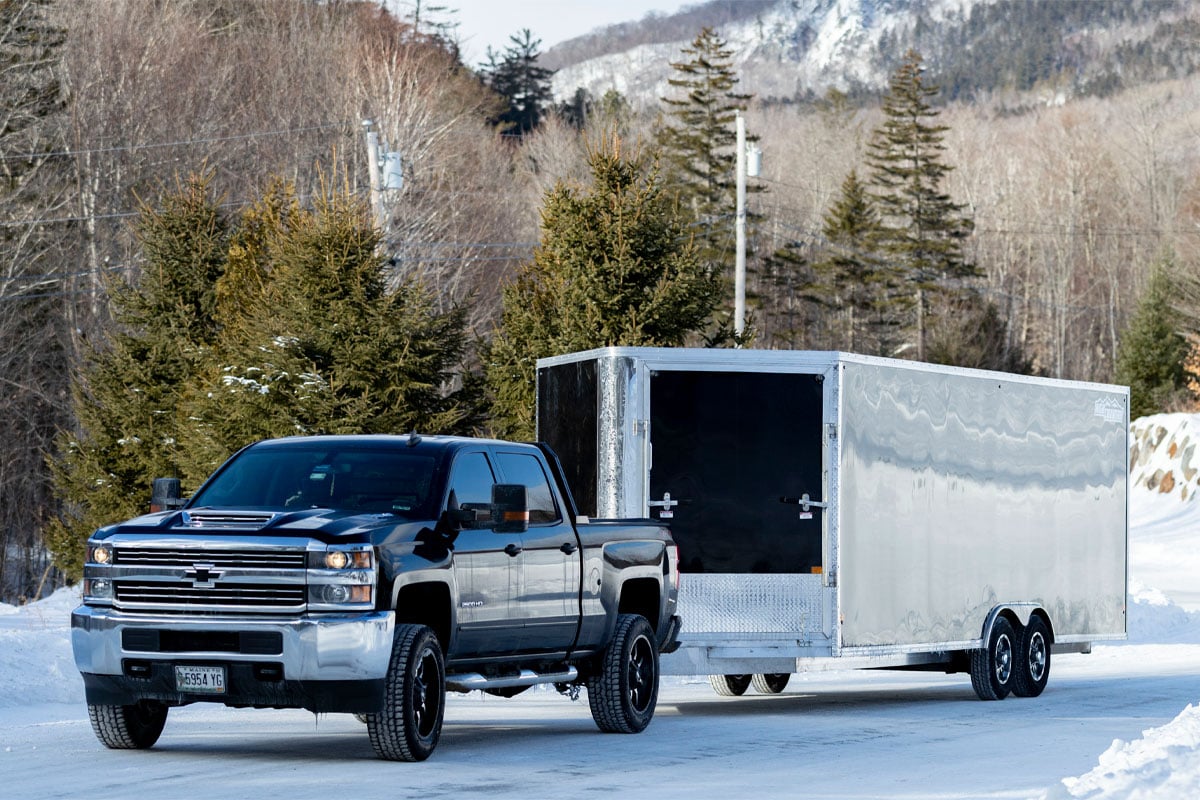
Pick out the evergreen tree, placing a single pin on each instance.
(315, 342)
(855, 280)
(615, 266)
(698, 141)
(127, 394)
(922, 229)
(517, 78)
(974, 334)
(1150, 357)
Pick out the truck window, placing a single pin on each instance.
(471, 479)
(527, 470)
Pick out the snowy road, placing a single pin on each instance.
(853, 735)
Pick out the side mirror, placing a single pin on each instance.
(166, 495)
(511, 508)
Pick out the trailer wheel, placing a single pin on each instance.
(414, 698)
(992, 666)
(624, 691)
(730, 685)
(771, 683)
(1033, 659)
(134, 727)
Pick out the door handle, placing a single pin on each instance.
(568, 547)
(512, 549)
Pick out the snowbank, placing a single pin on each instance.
(1164, 763)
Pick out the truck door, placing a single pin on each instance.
(728, 446)
(547, 602)
(486, 566)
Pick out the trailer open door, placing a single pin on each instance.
(738, 451)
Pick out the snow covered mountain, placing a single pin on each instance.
(789, 49)
(795, 49)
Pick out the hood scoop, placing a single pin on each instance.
(242, 520)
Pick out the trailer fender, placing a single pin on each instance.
(1018, 613)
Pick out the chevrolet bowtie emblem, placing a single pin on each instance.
(202, 576)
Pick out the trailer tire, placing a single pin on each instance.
(622, 694)
(135, 727)
(771, 683)
(992, 667)
(730, 685)
(1033, 659)
(414, 698)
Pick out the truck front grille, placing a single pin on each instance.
(185, 596)
(224, 559)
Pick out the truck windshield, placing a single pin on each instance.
(360, 479)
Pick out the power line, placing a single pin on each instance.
(160, 145)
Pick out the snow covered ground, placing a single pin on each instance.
(1122, 722)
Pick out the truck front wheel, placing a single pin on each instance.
(410, 724)
(624, 691)
(1033, 659)
(992, 667)
(134, 727)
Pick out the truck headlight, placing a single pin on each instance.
(99, 554)
(354, 557)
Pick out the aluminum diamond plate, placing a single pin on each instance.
(743, 604)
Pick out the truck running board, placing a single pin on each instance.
(468, 681)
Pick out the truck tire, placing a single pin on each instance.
(134, 727)
(1033, 659)
(992, 667)
(729, 685)
(771, 683)
(414, 700)
(624, 691)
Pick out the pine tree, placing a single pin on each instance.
(517, 78)
(128, 392)
(1151, 355)
(698, 141)
(315, 341)
(922, 229)
(855, 280)
(615, 266)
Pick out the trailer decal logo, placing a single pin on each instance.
(1110, 410)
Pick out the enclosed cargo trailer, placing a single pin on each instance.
(843, 511)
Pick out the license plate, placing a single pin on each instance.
(200, 680)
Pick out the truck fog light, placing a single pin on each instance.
(97, 587)
(336, 593)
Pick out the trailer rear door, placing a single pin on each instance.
(728, 446)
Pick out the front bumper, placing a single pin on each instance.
(275, 662)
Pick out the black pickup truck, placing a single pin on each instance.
(369, 575)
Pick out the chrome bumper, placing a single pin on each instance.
(327, 647)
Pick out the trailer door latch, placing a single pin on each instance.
(666, 504)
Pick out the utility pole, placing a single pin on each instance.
(749, 160)
(373, 171)
(384, 171)
(739, 269)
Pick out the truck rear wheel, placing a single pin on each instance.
(410, 724)
(624, 692)
(1033, 659)
(729, 685)
(992, 667)
(771, 683)
(134, 727)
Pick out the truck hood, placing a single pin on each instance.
(325, 524)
